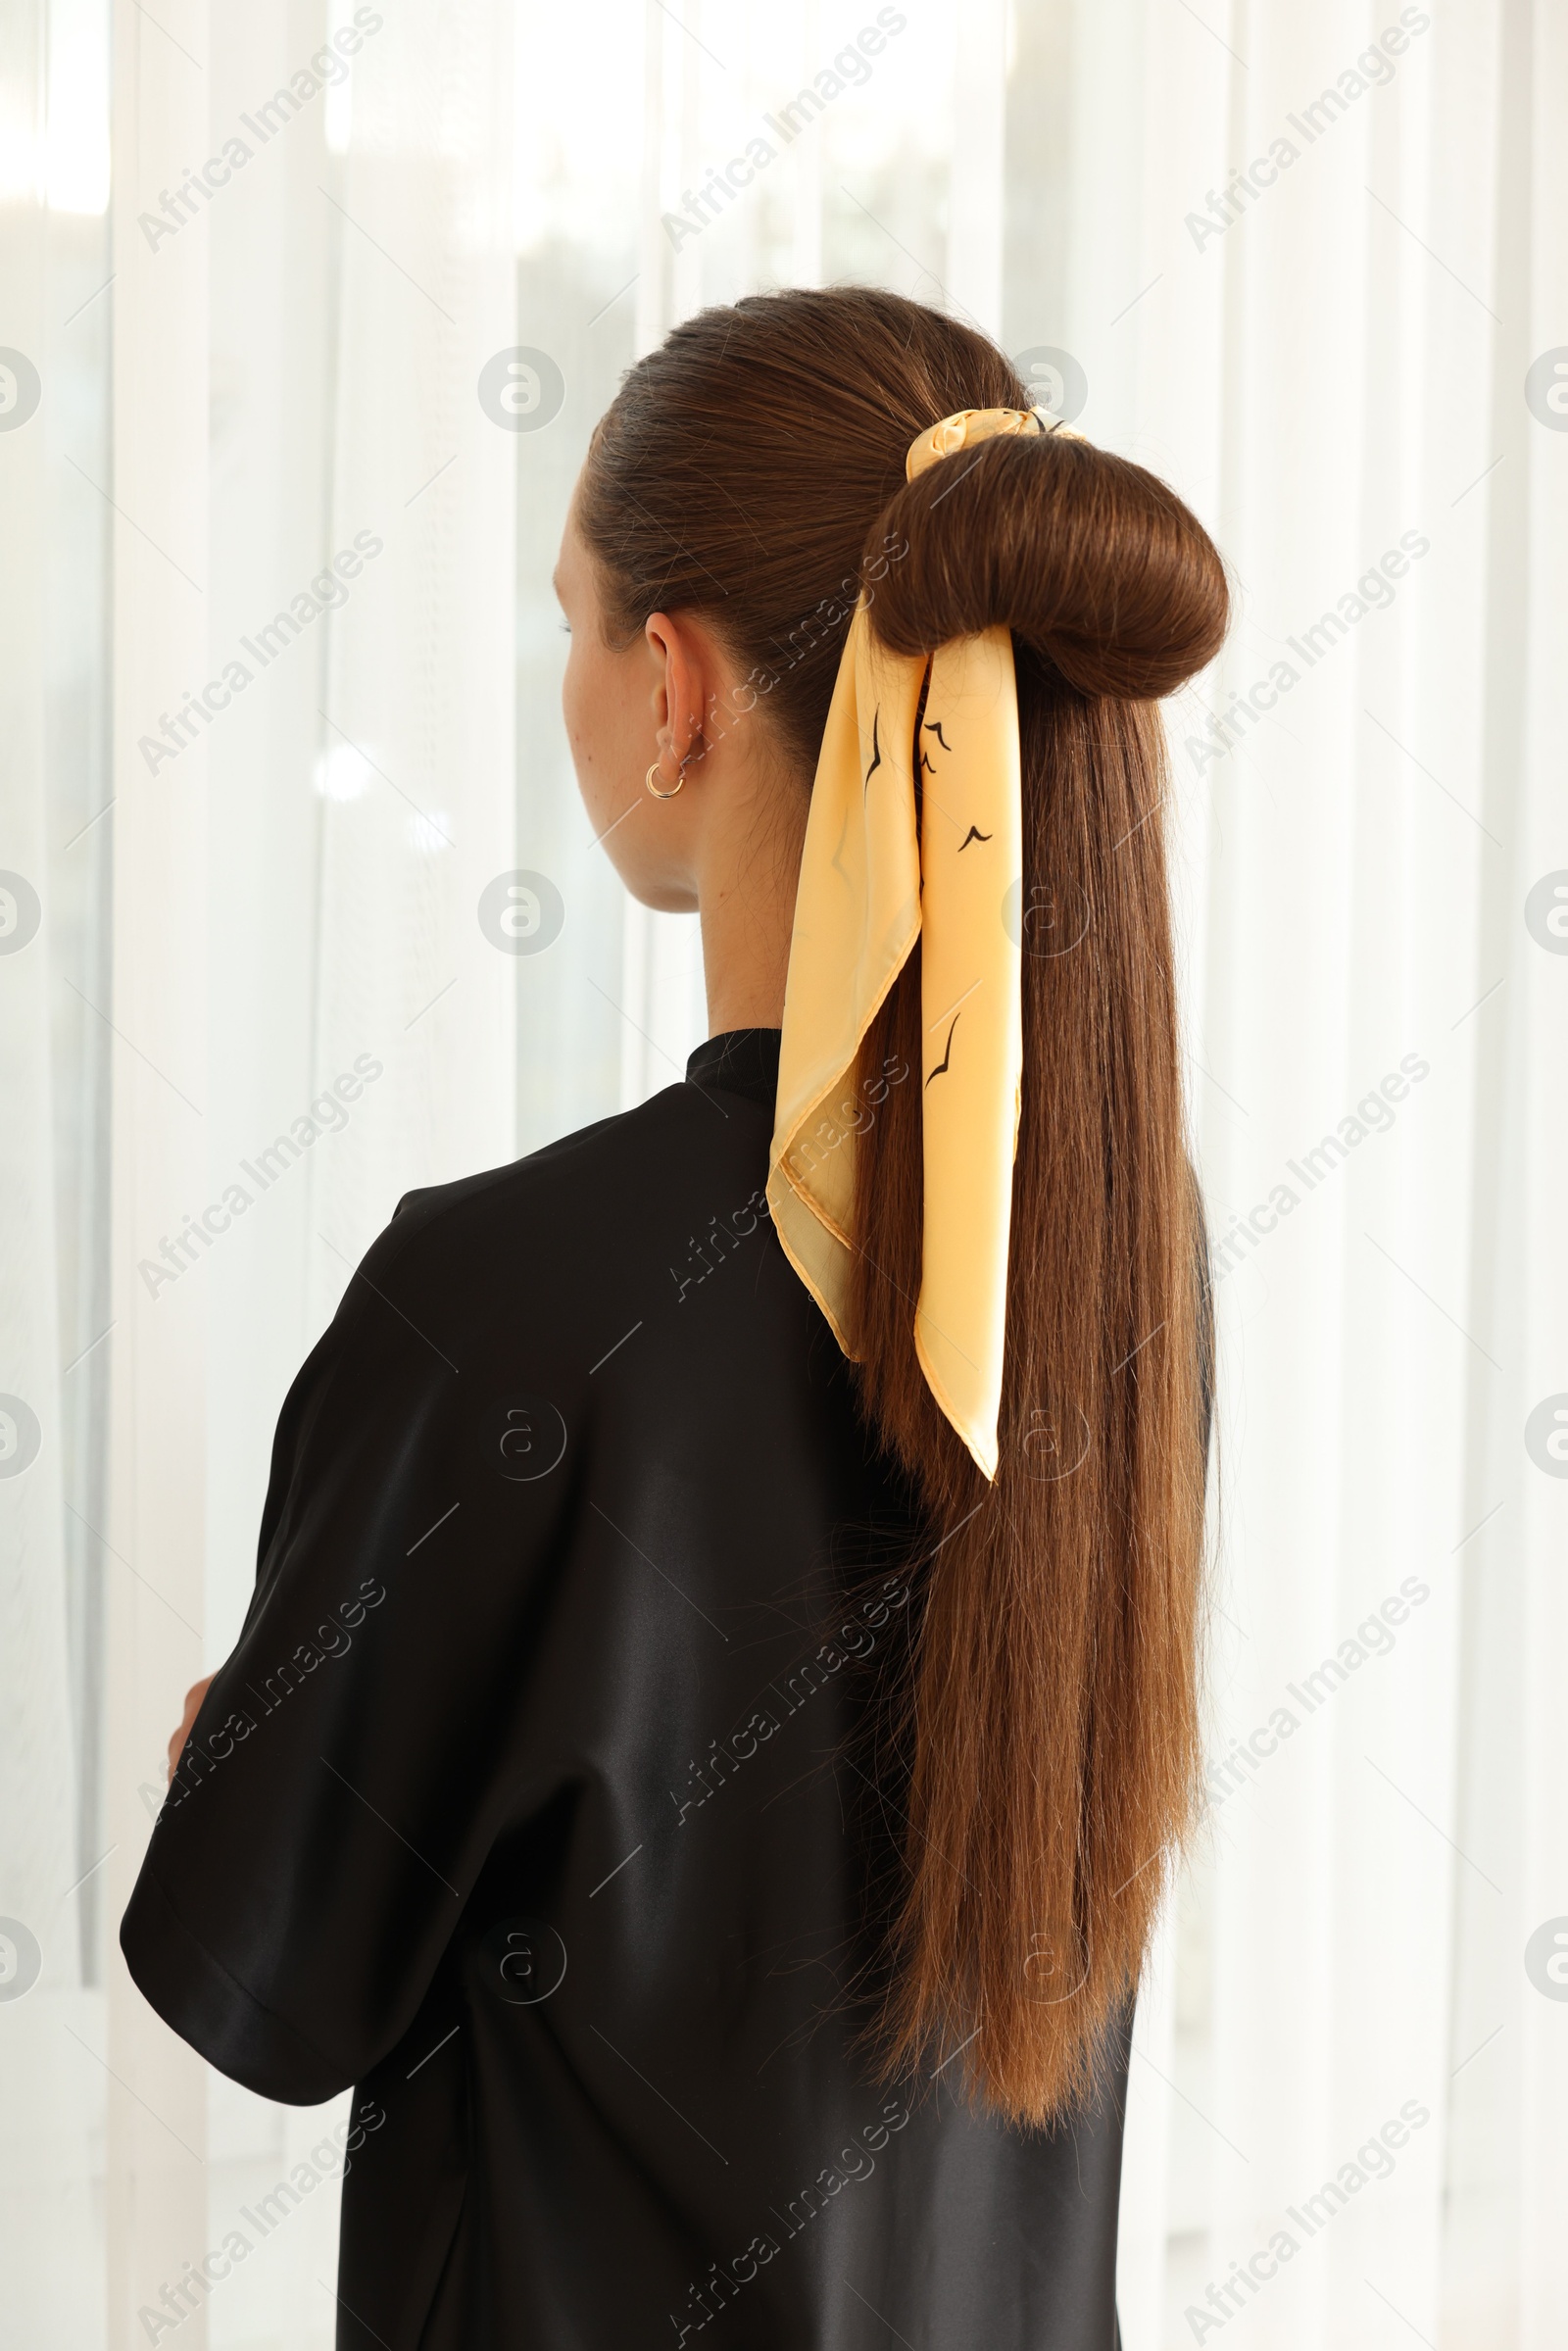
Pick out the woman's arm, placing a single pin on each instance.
(339, 1782)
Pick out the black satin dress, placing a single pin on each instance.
(534, 1800)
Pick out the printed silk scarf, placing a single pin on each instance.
(873, 879)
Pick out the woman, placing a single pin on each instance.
(718, 1703)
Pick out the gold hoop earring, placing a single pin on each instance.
(650, 786)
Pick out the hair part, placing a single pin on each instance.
(752, 470)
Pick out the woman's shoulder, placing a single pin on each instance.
(573, 1210)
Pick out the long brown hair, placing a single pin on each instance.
(752, 470)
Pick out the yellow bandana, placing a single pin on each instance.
(871, 883)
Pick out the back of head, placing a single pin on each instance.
(752, 464)
(753, 469)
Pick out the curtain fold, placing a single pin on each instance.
(50, 2080)
(155, 2154)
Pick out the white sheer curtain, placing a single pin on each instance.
(1308, 266)
(1336, 373)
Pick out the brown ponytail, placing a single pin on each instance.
(751, 468)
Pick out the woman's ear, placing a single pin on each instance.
(679, 685)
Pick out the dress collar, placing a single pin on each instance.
(739, 1061)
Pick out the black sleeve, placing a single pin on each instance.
(348, 1771)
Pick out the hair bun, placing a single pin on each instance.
(1092, 560)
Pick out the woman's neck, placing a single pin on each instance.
(747, 882)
